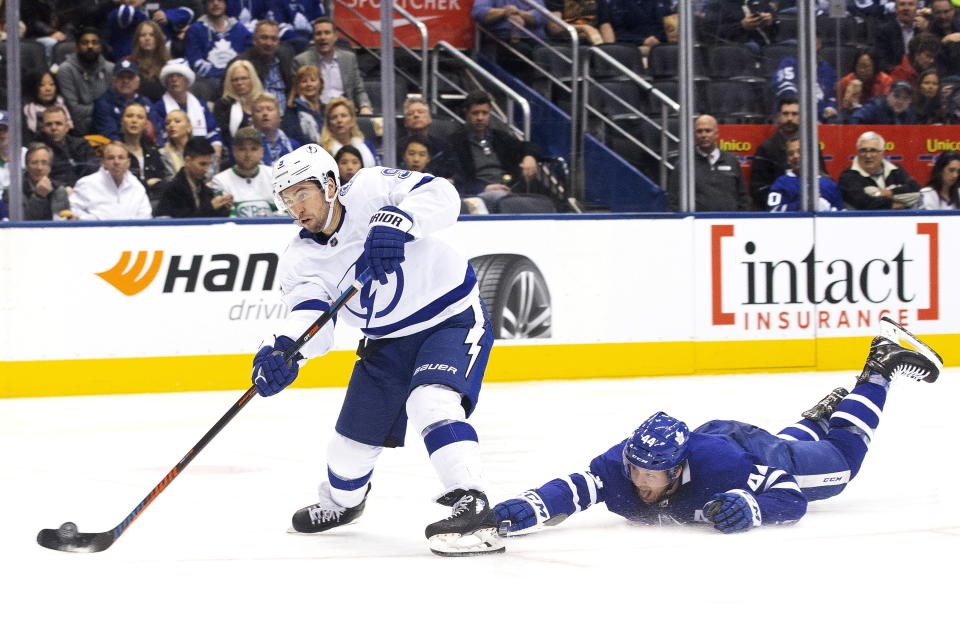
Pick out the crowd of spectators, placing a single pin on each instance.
(181, 110)
(228, 87)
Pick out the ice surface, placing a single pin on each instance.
(211, 559)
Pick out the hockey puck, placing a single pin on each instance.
(67, 531)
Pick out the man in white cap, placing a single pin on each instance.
(177, 76)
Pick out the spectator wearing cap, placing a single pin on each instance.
(188, 195)
(211, 43)
(871, 182)
(73, 157)
(893, 108)
(112, 193)
(178, 77)
(248, 182)
(109, 107)
(83, 77)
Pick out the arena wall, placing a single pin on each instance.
(176, 306)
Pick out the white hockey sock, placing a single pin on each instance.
(349, 467)
(436, 412)
(458, 464)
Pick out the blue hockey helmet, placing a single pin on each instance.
(657, 444)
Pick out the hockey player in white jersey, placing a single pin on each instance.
(427, 335)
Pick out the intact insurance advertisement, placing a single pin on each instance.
(829, 276)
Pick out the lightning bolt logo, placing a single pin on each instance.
(473, 337)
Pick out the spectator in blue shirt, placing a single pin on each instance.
(211, 43)
(893, 108)
(510, 20)
(108, 108)
(784, 193)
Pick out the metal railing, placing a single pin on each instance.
(423, 57)
(571, 87)
(666, 106)
(514, 99)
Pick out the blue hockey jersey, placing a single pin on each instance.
(716, 463)
(785, 194)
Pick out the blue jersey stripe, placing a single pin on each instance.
(312, 305)
(424, 180)
(347, 484)
(432, 309)
(447, 433)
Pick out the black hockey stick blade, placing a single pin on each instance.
(67, 538)
(80, 542)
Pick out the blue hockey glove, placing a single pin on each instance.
(383, 247)
(733, 511)
(271, 373)
(525, 514)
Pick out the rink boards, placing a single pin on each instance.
(176, 306)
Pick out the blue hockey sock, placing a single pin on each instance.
(860, 411)
(804, 430)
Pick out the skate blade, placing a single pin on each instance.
(479, 543)
(294, 532)
(898, 334)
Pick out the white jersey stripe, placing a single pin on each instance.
(865, 401)
(855, 420)
(573, 490)
(824, 479)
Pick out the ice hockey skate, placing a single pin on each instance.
(471, 529)
(822, 410)
(889, 358)
(326, 514)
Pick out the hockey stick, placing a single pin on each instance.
(67, 538)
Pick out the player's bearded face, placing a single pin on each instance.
(306, 204)
(651, 486)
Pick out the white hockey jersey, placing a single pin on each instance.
(433, 283)
(252, 197)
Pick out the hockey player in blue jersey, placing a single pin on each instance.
(784, 193)
(730, 474)
(426, 335)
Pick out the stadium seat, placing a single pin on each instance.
(845, 53)
(373, 87)
(787, 30)
(736, 102)
(837, 30)
(61, 50)
(627, 55)
(33, 57)
(773, 54)
(732, 61)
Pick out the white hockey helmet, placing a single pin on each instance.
(309, 162)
